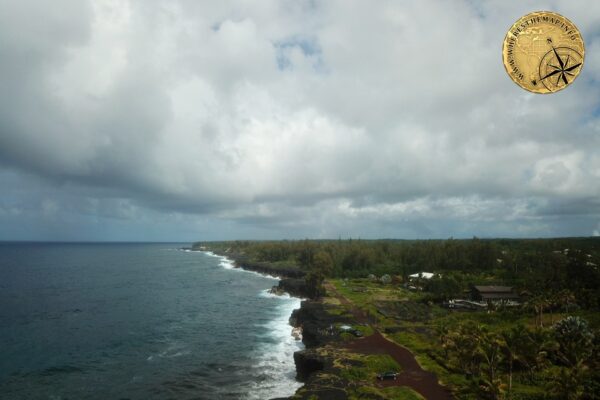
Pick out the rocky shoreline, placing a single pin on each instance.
(339, 339)
(312, 319)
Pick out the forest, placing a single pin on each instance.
(535, 267)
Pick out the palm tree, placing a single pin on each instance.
(567, 298)
(490, 349)
(515, 341)
(490, 352)
(539, 303)
(535, 352)
(462, 344)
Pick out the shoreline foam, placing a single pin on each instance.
(282, 383)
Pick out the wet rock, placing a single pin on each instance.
(307, 363)
(294, 286)
(317, 324)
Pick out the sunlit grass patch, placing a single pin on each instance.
(366, 368)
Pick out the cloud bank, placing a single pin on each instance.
(183, 120)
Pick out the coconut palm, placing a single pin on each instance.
(490, 351)
(515, 341)
(462, 346)
(566, 298)
(539, 304)
(534, 350)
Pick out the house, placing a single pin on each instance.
(421, 275)
(494, 293)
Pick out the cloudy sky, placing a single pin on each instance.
(197, 120)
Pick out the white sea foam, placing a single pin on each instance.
(276, 361)
(226, 263)
(230, 264)
(267, 294)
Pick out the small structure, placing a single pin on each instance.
(421, 275)
(460, 304)
(494, 294)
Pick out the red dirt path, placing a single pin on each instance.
(413, 376)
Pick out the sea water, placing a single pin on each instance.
(139, 321)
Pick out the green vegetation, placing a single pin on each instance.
(547, 347)
(546, 267)
(366, 368)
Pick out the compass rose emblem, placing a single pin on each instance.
(559, 67)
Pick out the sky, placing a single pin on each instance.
(186, 120)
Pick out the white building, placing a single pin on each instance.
(422, 275)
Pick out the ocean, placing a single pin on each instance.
(139, 321)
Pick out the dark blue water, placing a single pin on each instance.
(138, 321)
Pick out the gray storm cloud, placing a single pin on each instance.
(193, 120)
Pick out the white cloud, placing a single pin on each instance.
(297, 113)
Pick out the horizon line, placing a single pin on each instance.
(282, 240)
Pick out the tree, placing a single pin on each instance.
(574, 346)
(443, 288)
(567, 383)
(359, 260)
(566, 298)
(575, 340)
(306, 254)
(515, 342)
(461, 346)
(314, 283)
(539, 304)
(534, 354)
(323, 262)
(490, 348)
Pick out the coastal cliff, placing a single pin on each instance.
(315, 322)
(316, 364)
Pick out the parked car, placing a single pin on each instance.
(350, 330)
(387, 375)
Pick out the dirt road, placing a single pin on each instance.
(413, 376)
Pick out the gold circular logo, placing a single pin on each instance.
(543, 52)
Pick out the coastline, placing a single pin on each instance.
(279, 290)
(318, 364)
(332, 356)
(393, 337)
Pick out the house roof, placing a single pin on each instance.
(424, 275)
(493, 289)
(492, 296)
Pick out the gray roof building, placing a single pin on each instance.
(493, 293)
